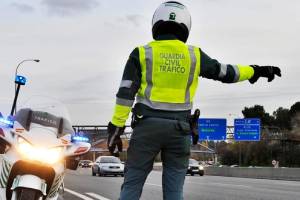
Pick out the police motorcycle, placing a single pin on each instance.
(37, 145)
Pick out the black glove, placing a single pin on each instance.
(194, 126)
(264, 71)
(114, 139)
(195, 138)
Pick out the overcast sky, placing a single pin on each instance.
(83, 46)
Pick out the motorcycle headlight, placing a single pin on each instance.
(49, 156)
(201, 167)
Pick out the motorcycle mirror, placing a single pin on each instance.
(77, 148)
(72, 162)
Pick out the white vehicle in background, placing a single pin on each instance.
(108, 165)
(85, 163)
(37, 144)
(195, 168)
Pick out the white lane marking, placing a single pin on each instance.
(78, 194)
(218, 184)
(156, 172)
(230, 185)
(157, 185)
(96, 196)
(212, 184)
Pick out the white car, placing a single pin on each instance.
(85, 163)
(195, 168)
(108, 165)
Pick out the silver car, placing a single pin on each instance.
(108, 165)
(195, 168)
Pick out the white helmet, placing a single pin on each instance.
(171, 17)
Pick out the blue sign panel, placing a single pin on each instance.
(212, 129)
(247, 129)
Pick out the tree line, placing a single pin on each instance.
(280, 139)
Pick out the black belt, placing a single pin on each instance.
(141, 111)
(177, 118)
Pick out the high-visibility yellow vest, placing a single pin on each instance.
(170, 71)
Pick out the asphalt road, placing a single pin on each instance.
(81, 185)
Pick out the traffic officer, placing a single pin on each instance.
(162, 77)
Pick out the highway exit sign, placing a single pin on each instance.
(247, 129)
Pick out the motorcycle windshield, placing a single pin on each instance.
(45, 113)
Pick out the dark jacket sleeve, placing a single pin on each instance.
(131, 78)
(226, 73)
(128, 88)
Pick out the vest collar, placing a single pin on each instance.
(167, 37)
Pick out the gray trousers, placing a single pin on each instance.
(151, 136)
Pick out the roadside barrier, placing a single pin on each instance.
(292, 174)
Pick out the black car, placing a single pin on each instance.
(195, 168)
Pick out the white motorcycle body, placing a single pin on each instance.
(33, 163)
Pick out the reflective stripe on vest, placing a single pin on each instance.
(192, 73)
(149, 68)
(176, 68)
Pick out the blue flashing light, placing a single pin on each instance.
(20, 80)
(7, 122)
(80, 139)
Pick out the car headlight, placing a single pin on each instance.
(30, 152)
(201, 167)
(122, 167)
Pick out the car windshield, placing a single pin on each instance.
(110, 160)
(85, 161)
(193, 162)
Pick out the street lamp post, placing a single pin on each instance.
(19, 80)
(26, 60)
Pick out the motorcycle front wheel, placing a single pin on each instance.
(28, 194)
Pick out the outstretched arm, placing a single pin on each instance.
(227, 73)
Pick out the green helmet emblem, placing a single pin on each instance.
(172, 16)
